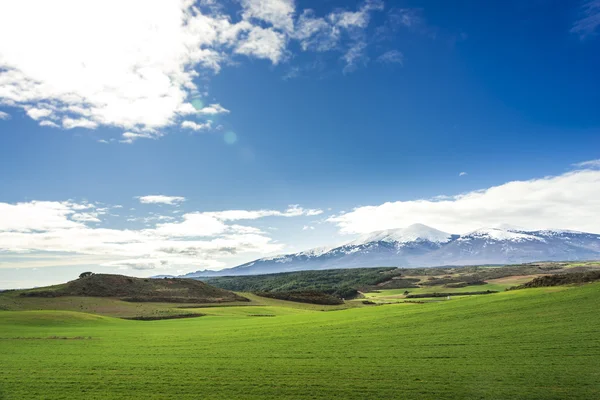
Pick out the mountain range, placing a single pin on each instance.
(422, 246)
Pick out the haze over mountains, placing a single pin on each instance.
(422, 246)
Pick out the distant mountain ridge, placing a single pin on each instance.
(422, 246)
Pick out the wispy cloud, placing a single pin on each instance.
(130, 137)
(589, 21)
(161, 199)
(4, 116)
(391, 57)
(588, 164)
(462, 173)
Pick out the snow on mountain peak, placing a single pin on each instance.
(499, 234)
(317, 251)
(411, 233)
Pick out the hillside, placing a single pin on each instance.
(346, 283)
(523, 344)
(422, 246)
(137, 290)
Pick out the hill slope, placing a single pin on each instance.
(137, 289)
(523, 344)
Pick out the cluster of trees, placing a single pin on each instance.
(562, 279)
(340, 283)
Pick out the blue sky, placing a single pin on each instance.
(319, 119)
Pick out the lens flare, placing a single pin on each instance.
(230, 137)
(198, 104)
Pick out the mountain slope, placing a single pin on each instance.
(422, 246)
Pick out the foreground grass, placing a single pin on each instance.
(527, 344)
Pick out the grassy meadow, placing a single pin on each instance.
(525, 344)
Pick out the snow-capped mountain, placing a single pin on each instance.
(422, 246)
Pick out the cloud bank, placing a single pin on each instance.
(195, 240)
(568, 201)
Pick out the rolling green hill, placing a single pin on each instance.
(137, 290)
(540, 343)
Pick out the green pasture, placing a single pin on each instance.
(524, 344)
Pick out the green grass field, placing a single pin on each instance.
(525, 344)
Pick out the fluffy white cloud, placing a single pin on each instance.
(37, 113)
(278, 13)
(139, 75)
(160, 199)
(195, 126)
(70, 123)
(568, 201)
(263, 43)
(49, 123)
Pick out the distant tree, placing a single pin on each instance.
(85, 274)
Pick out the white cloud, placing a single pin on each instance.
(86, 217)
(278, 13)
(462, 173)
(589, 21)
(36, 230)
(325, 34)
(37, 113)
(136, 75)
(568, 201)
(140, 75)
(391, 57)
(4, 116)
(70, 123)
(292, 211)
(161, 199)
(308, 228)
(195, 126)
(48, 123)
(315, 33)
(588, 164)
(355, 56)
(213, 109)
(130, 137)
(263, 43)
(38, 216)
